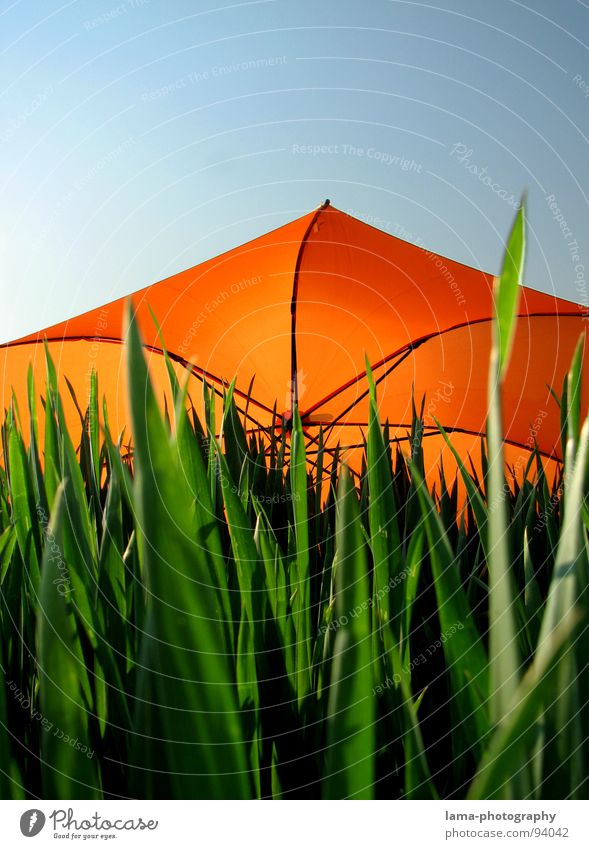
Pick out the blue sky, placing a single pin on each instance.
(141, 137)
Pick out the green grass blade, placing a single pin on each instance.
(507, 291)
(350, 763)
(302, 607)
(190, 724)
(465, 655)
(382, 514)
(562, 751)
(504, 658)
(517, 731)
(69, 764)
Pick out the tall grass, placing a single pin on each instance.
(208, 621)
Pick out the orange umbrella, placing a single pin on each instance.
(297, 309)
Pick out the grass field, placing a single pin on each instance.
(206, 620)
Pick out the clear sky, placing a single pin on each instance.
(141, 137)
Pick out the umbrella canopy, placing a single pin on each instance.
(298, 309)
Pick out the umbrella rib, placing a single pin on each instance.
(197, 371)
(376, 382)
(457, 429)
(294, 392)
(419, 341)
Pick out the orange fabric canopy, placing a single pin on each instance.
(297, 310)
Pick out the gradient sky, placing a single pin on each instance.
(142, 137)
